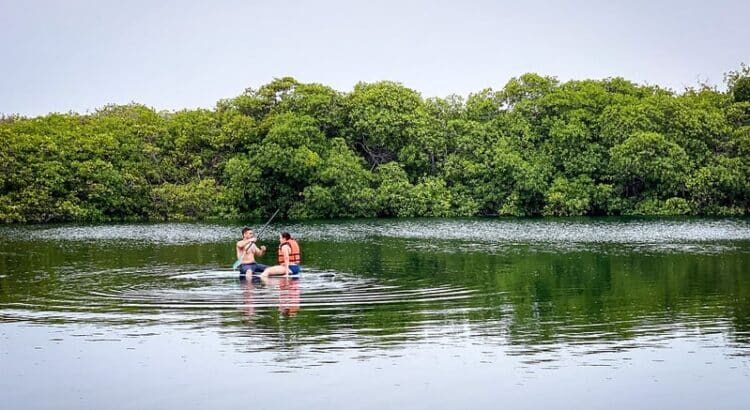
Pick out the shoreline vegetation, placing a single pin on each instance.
(536, 147)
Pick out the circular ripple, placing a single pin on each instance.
(161, 294)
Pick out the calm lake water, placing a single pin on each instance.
(427, 314)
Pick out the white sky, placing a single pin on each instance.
(78, 55)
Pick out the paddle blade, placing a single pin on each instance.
(236, 264)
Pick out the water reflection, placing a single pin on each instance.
(537, 289)
(436, 313)
(286, 289)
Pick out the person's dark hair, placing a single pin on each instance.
(245, 229)
(286, 236)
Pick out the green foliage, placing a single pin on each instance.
(648, 163)
(393, 191)
(573, 149)
(741, 90)
(535, 147)
(244, 191)
(670, 207)
(527, 87)
(342, 187)
(483, 106)
(718, 186)
(738, 114)
(383, 118)
(259, 103)
(196, 199)
(431, 197)
(569, 198)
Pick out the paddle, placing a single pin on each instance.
(238, 262)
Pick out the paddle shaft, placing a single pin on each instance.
(266, 225)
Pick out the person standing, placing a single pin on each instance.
(247, 251)
(289, 258)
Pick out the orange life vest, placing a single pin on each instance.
(294, 256)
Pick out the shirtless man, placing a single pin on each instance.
(247, 251)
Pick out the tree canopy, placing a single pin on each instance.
(537, 146)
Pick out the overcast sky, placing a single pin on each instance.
(76, 55)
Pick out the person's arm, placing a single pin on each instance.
(240, 250)
(285, 251)
(259, 251)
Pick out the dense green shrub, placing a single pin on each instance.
(535, 147)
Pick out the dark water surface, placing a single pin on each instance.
(438, 314)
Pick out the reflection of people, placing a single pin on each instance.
(247, 251)
(247, 292)
(289, 258)
(289, 296)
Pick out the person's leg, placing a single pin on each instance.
(274, 271)
(243, 269)
(259, 267)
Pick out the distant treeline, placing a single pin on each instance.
(535, 147)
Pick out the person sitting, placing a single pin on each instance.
(247, 251)
(289, 258)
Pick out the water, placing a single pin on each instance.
(566, 313)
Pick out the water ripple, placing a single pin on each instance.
(208, 293)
